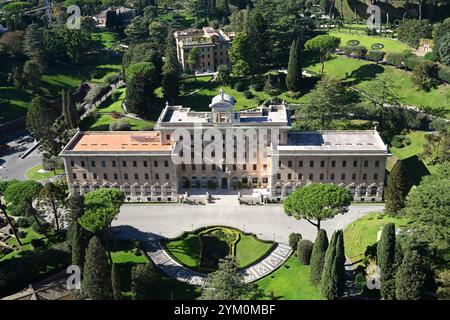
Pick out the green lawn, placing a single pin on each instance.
(363, 232)
(106, 39)
(289, 282)
(390, 45)
(360, 72)
(33, 173)
(249, 250)
(26, 244)
(187, 250)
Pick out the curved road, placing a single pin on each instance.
(152, 221)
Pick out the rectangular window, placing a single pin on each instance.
(146, 176)
(279, 164)
(155, 164)
(322, 163)
(167, 136)
(136, 176)
(124, 163)
(93, 163)
(321, 176)
(95, 175)
(289, 176)
(145, 164)
(74, 175)
(244, 167)
(114, 163)
(103, 163)
(300, 176)
(264, 180)
(311, 176)
(333, 163)
(344, 163)
(355, 163)
(105, 176)
(125, 176)
(156, 176)
(279, 176)
(264, 167)
(82, 163)
(343, 176)
(135, 164)
(366, 163)
(183, 166)
(332, 176)
(289, 164)
(300, 163)
(311, 163)
(84, 176)
(166, 164)
(203, 167)
(375, 176)
(364, 176)
(72, 164)
(256, 166)
(167, 176)
(234, 167)
(213, 167)
(377, 163)
(116, 176)
(353, 176)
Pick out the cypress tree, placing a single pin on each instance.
(77, 245)
(115, 282)
(318, 256)
(332, 283)
(386, 261)
(397, 189)
(144, 282)
(410, 277)
(72, 113)
(171, 70)
(294, 72)
(96, 284)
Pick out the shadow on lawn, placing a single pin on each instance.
(363, 73)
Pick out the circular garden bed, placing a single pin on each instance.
(352, 43)
(202, 249)
(377, 46)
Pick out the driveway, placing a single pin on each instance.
(148, 221)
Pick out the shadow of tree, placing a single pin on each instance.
(364, 73)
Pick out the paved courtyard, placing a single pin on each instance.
(153, 221)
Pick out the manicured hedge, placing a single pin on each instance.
(375, 55)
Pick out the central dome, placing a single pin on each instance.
(222, 102)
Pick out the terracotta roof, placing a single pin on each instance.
(120, 141)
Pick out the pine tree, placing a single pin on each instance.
(115, 282)
(410, 277)
(397, 189)
(294, 72)
(72, 113)
(332, 283)
(386, 261)
(318, 256)
(96, 284)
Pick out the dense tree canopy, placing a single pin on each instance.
(142, 81)
(101, 207)
(323, 46)
(317, 202)
(41, 116)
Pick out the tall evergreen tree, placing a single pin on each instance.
(410, 277)
(41, 116)
(386, 261)
(294, 71)
(144, 282)
(96, 284)
(171, 70)
(34, 45)
(141, 81)
(71, 116)
(115, 282)
(77, 245)
(332, 283)
(318, 256)
(397, 189)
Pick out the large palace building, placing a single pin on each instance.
(155, 165)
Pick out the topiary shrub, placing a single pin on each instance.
(377, 46)
(375, 56)
(21, 234)
(397, 141)
(304, 251)
(37, 243)
(294, 238)
(121, 125)
(353, 43)
(239, 86)
(248, 94)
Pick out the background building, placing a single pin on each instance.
(213, 45)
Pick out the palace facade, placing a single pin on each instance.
(225, 149)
